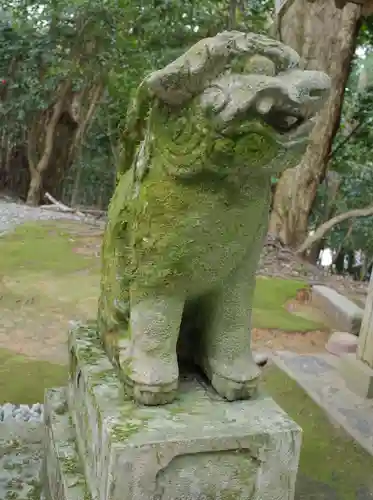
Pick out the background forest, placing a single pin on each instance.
(68, 70)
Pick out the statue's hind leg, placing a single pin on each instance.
(150, 362)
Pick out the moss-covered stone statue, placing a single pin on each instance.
(186, 223)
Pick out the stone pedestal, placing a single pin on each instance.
(100, 445)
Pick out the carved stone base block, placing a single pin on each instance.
(357, 374)
(62, 474)
(199, 447)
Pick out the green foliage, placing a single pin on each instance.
(44, 43)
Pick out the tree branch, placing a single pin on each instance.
(327, 226)
(31, 149)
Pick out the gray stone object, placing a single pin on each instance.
(320, 376)
(343, 314)
(357, 374)
(186, 223)
(102, 445)
(20, 458)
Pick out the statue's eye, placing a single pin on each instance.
(282, 121)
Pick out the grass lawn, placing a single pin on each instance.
(24, 380)
(328, 455)
(49, 274)
(271, 295)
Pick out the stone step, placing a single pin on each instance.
(62, 475)
(319, 375)
(342, 313)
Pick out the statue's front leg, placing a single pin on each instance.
(226, 355)
(150, 361)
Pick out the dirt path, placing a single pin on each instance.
(302, 343)
(47, 340)
(41, 294)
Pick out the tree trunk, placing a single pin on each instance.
(55, 139)
(76, 187)
(39, 166)
(325, 38)
(34, 190)
(314, 252)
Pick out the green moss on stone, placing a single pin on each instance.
(69, 464)
(104, 377)
(185, 175)
(123, 431)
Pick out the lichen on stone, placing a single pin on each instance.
(186, 222)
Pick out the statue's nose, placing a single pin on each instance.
(306, 89)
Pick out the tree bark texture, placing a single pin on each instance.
(325, 38)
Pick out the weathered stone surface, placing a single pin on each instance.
(342, 343)
(365, 348)
(62, 472)
(190, 210)
(357, 374)
(319, 375)
(342, 312)
(200, 446)
(21, 453)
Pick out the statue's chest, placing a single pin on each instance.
(192, 216)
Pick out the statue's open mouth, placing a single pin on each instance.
(288, 129)
(291, 125)
(282, 121)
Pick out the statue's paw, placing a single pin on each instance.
(237, 380)
(151, 381)
(154, 395)
(233, 390)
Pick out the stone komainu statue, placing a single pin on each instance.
(186, 223)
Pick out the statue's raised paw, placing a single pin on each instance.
(187, 220)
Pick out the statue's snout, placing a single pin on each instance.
(307, 89)
(299, 93)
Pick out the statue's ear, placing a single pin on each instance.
(190, 74)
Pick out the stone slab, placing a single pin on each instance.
(342, 313)
(358, 375)
(340, 343)
(62, 473)
(21, 451)
(320, 377)
(200, 446)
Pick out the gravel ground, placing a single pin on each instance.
(21, 413)
(12, 214)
